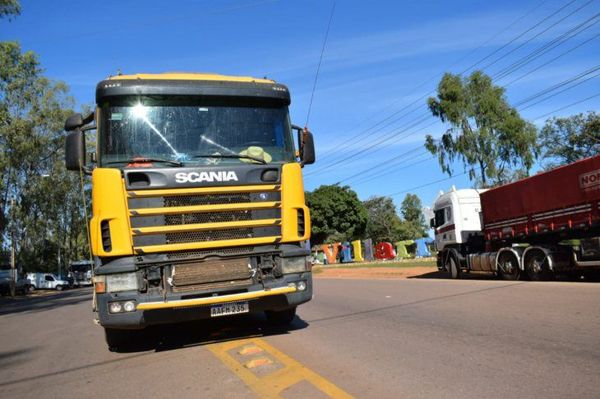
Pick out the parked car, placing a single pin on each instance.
(47, 281)
(22, 285)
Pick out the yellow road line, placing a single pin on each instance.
(273, 384)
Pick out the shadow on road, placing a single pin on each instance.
(15, 357)
(590, 277)
(463, 276)
(44, 302)
(203, 332)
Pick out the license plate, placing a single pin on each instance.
(227, 309)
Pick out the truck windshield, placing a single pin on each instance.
(190, 131)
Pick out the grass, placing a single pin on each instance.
(391, 264)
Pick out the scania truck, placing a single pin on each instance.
(198, 204)
(534, 228)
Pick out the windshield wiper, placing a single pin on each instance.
(235, 156)
(144, 160)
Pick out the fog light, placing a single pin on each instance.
(297, 264)
(301, 285)
(115, 307)
(129, 306)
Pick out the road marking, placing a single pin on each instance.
(274, 383)
(250, 350)
(261, 361)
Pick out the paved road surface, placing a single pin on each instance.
(420, 338)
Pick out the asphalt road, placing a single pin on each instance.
(418, 338)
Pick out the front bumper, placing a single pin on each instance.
(152, 309)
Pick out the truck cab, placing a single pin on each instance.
(197, 199)
(457, 216)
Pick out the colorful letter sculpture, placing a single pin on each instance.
(384, 251)
(357, 250)
(331, 252)
(346, 254)
(368, 250)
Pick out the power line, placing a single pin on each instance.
(400, 158)
(341, 159)
(376, 143)
(395, 170)
(538, 34)
(360, 134)
(552, 60)
(312, 94)
(561, 91)
(426, 184)
(518, 37)
(567, 106)
(557, 86)
(531, 98)
(556, 42)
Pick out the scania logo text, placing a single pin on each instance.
(209, 177)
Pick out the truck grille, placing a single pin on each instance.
(211, 274)
(204, 217)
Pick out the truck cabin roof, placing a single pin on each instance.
(192, 85)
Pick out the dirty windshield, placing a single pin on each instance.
(193, 132)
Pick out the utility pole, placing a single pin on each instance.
(13, 276)
(59, 270)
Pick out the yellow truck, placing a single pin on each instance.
(197, 200)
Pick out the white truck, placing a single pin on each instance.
(536, 227)
(47, 281)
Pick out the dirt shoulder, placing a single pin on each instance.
(385, 270)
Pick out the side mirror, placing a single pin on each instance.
(432, 223)
(73, 122)
(306, 146)
(75, 150)
(76, 121)
(308, 149)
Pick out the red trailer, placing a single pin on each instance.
(534, 227)
(561, 199)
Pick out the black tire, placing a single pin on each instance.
(281, 317)
(508, 267)
(453, 268)
(538, 268)
(119, 339)
(59, 288)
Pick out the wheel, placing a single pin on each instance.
(59, 288)
(281, 317)
(117, 339)
(538, 268)
(452, 268)
(508, 267)
(29, 289)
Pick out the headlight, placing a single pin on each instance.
(294, 265)
(121, 282)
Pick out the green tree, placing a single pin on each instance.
(383, 223)
(486, 133)
(9, 9)
(412, 212)
(40, 203)
(566, 140)
(336, 214)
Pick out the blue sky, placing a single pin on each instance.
(380, 57)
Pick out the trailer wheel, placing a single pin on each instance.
(508, 266)
(537, 267)
(452, 267)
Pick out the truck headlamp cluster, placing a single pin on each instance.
(296, 264)
(121, 282)
(121, 307)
